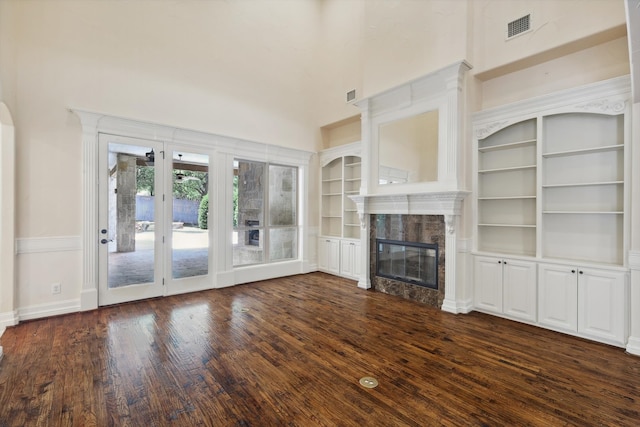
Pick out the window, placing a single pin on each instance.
(265, 217)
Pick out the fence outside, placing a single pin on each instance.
(185, 211)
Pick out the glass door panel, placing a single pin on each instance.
(190, 248)
(248, 212)
(130, 220)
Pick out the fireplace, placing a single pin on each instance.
(408, 256)
(410, 262)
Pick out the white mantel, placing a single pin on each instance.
(443, 90)
(432, 203)
(446, 203)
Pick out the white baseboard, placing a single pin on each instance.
(88, 299)
(457, 307)
(9, 318)
(48, 310)
(633, 346)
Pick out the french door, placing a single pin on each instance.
(154, 235)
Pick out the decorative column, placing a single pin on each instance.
(364, 281)
(454, 124)
(89, 292)
(451, 244)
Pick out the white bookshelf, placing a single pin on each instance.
(506, 214)
(339, 240)
(583, 187)
(551, 189)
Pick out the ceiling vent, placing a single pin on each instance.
(351, 95)
(519, 26)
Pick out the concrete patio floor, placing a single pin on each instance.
(189, 257)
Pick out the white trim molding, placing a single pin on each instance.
(49, 309)
(95, 124)
(30, 245)
(9, 318)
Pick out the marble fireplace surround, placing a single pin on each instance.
(446, 207)
(408, 228)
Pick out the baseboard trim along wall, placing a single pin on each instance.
(49, 309)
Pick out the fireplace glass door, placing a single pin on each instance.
(410, 262)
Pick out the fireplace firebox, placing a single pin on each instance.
(410, 262)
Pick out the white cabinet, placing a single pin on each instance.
(558, 297)
(551, 187)
(506, 286)
(602, 309)
(329, 255)
(350, 259)
(588, 301)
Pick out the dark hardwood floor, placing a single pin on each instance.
(291, 351)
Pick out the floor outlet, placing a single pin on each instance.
(55, 288)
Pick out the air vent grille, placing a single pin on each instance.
(351, 95)
(519, 26)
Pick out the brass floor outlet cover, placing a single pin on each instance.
(368, 382)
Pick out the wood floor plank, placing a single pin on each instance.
(290, 352)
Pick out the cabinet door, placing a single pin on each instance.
(350, 259)
(329, 256)
(558, 297)
(601, 305)
(488, 284)
(519, 289)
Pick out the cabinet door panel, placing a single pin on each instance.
(520, 290)
(558, 297)
(601, 302)
(329, 256)
(488, 284)
(350, 260)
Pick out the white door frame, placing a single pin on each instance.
(113, 295)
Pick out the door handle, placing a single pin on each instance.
(105, 241)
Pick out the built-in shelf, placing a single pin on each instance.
(507, 146)
(341, 177)
(584, 212)
(514, 168)
(602, 149)
(507, 198)
(508, 225)
(566, 210)
(582, 184)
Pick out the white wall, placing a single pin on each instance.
(272, 71)
(7, 220)
(558, 28)
(239, 68)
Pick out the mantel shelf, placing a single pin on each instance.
(432, 203)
